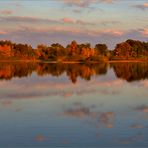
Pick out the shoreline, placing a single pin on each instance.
(126, 61)
(73, 62)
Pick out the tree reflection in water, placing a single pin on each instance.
(131, 71)
(127, 71)
(73, 71)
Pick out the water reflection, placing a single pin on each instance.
(97, 118)
(131, 71)
(41, 107)
(142, 108)
(73, 71)
(127, 71)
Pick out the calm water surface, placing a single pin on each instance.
(73, 105)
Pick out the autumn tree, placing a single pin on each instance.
(101, 49)
(42, 52)
(57, 50)
(123, 50)
(131, 49)
(72, 48)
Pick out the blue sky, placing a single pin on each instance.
(94, 21)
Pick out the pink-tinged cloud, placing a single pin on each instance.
(3, 32)
(79, 3)
(6, 12)
(108, 1)
(142, 6)
(108, 23)
(60, 29)
(79, 22)
(76, 30)
(30, 19)
(67, 20)
(114, 32)
(145, 4)
(86, 3)
(144, 32)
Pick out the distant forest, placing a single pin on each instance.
(128, 50)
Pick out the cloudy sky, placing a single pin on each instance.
(94, 21)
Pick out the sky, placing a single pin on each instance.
(94, 21)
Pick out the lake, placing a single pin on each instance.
(73, 105)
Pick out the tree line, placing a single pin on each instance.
(128, 50)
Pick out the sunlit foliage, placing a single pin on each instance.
(129, 50)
